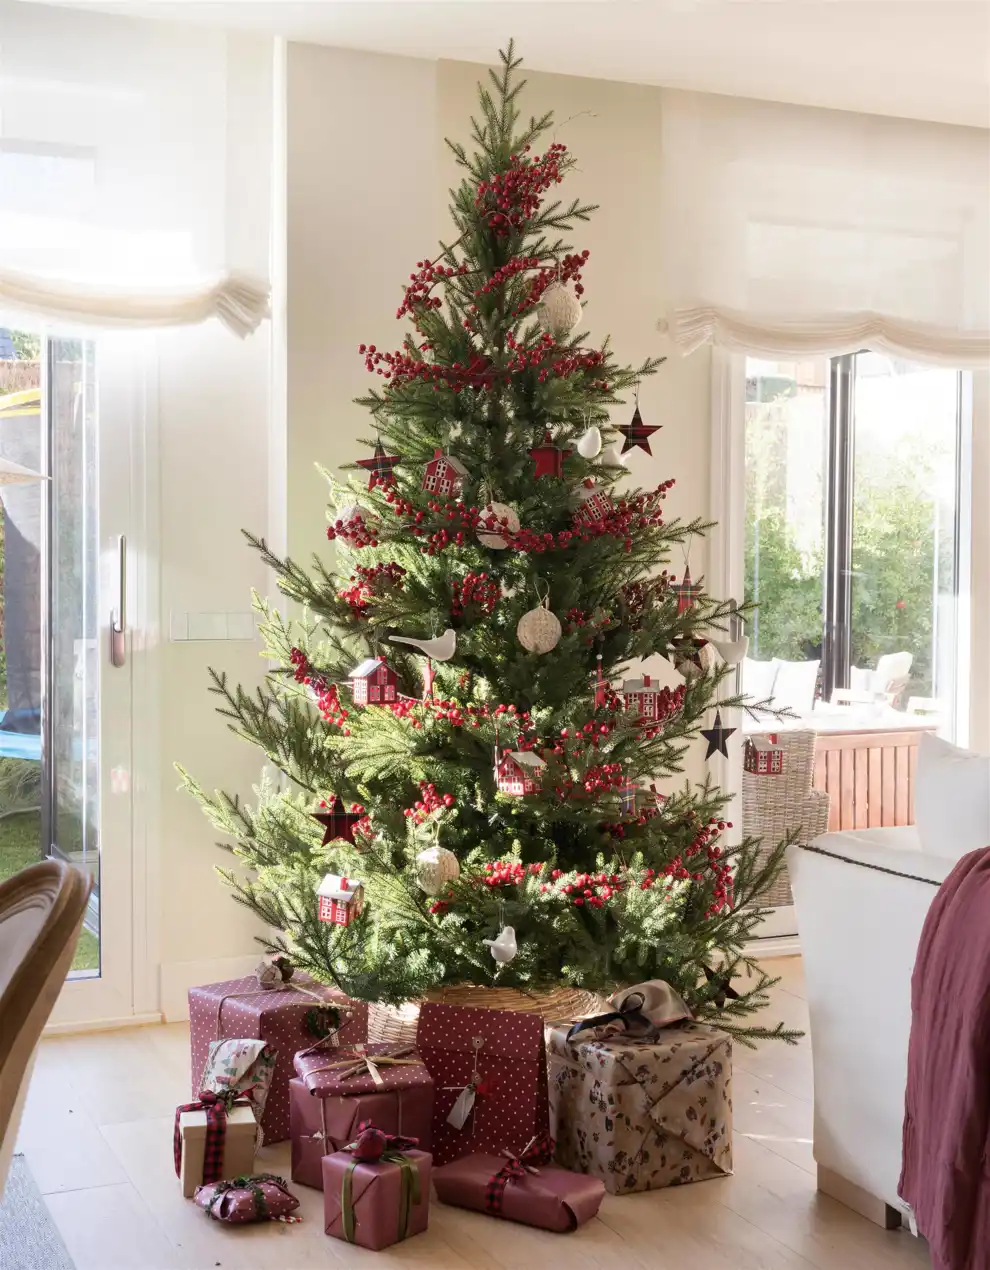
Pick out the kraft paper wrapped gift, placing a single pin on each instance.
(230, 1146)
(335, 1092)
(643, 1115)
(379, 1204)
(280, 1016)
(528, 1189)
(491, 1064)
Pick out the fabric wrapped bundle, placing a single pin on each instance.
(337, 1090)
(526, 1188)
(242, 1067)
(381, 1200)
(643, 1114)
(257, 1197)
(287, 1016)
(213, 1137)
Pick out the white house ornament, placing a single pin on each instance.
(539, 630)
(436, 868)
(504, 948)
(589, 444)
(518, 772)
(508, 520)
(560, 310)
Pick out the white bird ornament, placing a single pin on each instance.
(504, 948)
(439, 649)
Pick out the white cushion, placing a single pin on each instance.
(794, 685)
(951, 798)
(758, 678)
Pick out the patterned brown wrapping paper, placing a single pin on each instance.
(643, 1116)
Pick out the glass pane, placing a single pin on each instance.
(74, 625)
(786, 422)
(904, 534)
(21, 579)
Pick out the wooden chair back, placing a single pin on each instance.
(41, 912)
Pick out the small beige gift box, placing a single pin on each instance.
(238, 1146)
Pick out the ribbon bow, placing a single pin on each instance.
(217, 1106)
(410, 1192)
(539, 1151)
(360, 1064)
(631, 1015)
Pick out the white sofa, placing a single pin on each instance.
(861, 899)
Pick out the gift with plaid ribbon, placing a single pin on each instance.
(524, 1188)
(257, 1197)
(213, 1137)
(336, 1090)
(376, 1192)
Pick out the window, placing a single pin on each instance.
(853, 529)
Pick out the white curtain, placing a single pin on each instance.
(792, 230)
(135, 181)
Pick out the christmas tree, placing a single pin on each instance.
(461, 747)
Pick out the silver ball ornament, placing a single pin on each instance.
(560, 310)
(436, 867)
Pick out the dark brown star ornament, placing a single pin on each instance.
(637, 433)
(337, 822)
(717, 736)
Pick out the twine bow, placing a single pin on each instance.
(217, 1106)
(409, 1192)
(358, 1063)
(538, 1151)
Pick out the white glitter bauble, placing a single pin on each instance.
(436, 867)
(560, 310)
(589, 444)
(502, 512)
(539, 630)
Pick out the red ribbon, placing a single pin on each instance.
(538, 1152)
(216, 1106)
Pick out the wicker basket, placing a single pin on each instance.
(774, 806)
(397, 1024)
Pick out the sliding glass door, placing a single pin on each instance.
(64, 687)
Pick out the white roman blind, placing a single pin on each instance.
(792, 230)
(135, 170)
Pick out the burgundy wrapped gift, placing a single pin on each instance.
(378, 1204)
(283, 1017)
(527, 1189)
(335, 1092)
(490, 1072)
(258, 1197)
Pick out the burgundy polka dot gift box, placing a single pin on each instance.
(490, 1072)
(287, 1017)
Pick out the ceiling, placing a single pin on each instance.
(923, 59)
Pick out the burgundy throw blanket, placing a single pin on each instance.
(945, 1175)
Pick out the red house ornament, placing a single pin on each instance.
(641, 696)
(595, 504)
(444, 475)
(374, 683)
(517, 771)
(763, 756)
(340, 900)
(549, 458)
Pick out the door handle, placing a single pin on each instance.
(118, 615)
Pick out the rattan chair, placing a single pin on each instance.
(41, 912)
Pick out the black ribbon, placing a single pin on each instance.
(629, 1014)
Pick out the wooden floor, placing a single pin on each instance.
(97, 1134)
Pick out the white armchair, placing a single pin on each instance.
(862, 897)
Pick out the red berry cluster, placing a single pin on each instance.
(417, 293)
(428, 804)
(457, 715)
(327, 701)
(603, 776)
(355, 532)
(512, 197)
(593, 890)
(639, 597)
(545, 355)
(475, 590)
(508, 872)
(402, 367)
(506, 272)
(578, 619)
(370, 582)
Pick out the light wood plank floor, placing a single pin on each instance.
(98, 1136)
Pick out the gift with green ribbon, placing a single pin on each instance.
(377, 1190)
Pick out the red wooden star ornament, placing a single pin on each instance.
(637, 433)
(337, 822)
(381, 466)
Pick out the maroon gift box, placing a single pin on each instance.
(376, 1198)
(325, 1111)
(506, 1051)
(277, 1016)
(551, 1198)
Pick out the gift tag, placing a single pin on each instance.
(462, 1108)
